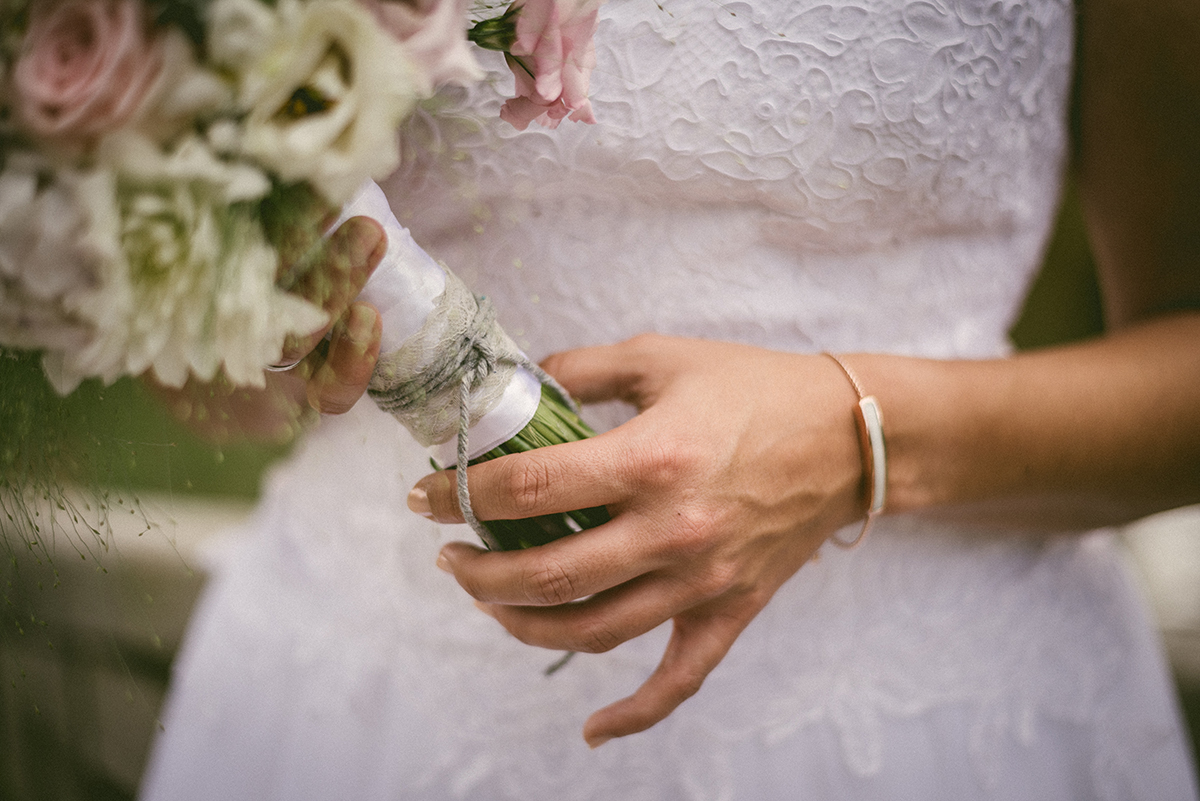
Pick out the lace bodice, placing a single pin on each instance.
(809, 174)
(895, 166)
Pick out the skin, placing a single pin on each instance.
(703, 533)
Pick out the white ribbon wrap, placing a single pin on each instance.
(406, 288)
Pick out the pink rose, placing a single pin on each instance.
(85, 66)
(552, 60)
(434, 34)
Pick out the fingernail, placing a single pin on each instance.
(443, 563)
(418, 501)
(596, 742)
(361, 324)
(441, 482)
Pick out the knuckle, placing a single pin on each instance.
(667, 462)
(683, 683)
(297, 347)
(598, 637)
(720, 578)
(692, 533)
(550, 584)
(756, 598)
(528, 481)
(327, 394)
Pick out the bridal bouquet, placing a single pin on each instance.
(143, 143)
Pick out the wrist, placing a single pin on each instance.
(868, 417)
(925, 463)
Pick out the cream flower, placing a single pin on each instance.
(327, 96)
(44, 259)
(237, 30)
(186, 90)
(189, 283)
(434, 33)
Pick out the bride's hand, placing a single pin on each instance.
(329, 376)
(740, 464)
(335, 377)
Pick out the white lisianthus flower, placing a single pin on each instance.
(137, 159)
(237, 30)
(44, 258)
(186, 90)
(189, 283)
(326, 97)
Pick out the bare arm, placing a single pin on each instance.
(1109, 430)
(1079, 436)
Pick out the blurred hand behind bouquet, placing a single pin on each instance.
(332, 365)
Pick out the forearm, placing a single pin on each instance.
(1083, 435)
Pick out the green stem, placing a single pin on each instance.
(553, 424)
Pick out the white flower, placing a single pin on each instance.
(237, 30)
(326, 97)
(189, 285)
(434, 33)
(224, 137)
(44, 257)
(185, 91)
(138, 160)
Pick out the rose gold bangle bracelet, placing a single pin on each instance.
(869, 419)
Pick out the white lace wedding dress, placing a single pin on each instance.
(807, 175)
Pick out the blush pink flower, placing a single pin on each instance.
(84, 67)
(552, 60)
(434, 35)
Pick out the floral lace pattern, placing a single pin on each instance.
(816, 174)
(894, 167)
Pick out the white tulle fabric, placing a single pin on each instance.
(816, 174)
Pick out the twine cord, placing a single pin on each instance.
(449, 374)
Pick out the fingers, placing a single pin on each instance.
(600, 623)
(701, 637)
(556, 573)
(697, 646)
(550, 480)
(342, 378)
(599, 471)
(334, 277)
(222, 413)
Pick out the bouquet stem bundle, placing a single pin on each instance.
(554, 423)
(457, 382)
